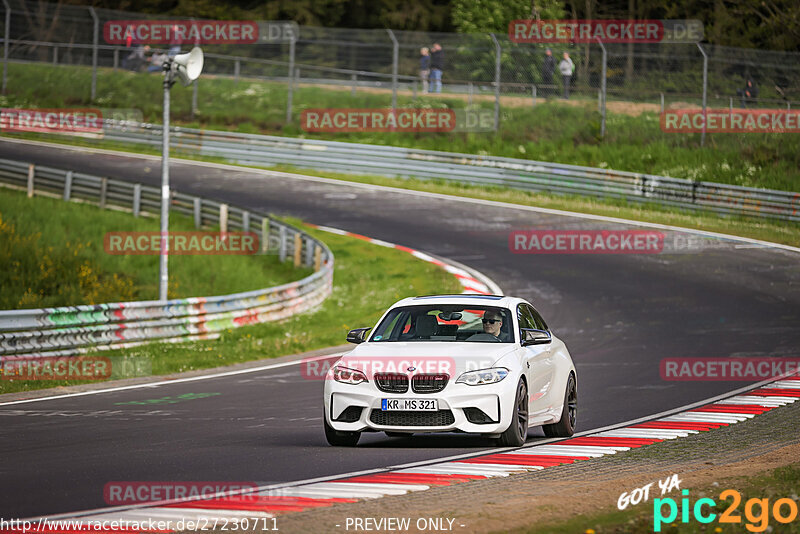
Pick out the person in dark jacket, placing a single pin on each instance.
(548, 68)
(437, 66)
(424, 68)
(749, 93)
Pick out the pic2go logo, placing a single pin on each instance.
(756, 511)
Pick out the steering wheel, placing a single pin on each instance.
(483, 336)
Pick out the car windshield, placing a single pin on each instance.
(437, 322)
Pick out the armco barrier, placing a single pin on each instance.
(523, 174)
(74, 329)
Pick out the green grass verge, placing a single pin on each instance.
(776, 484)
(553, 131)
(51, 254)
(367, 279)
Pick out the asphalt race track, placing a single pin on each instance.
(620, 315)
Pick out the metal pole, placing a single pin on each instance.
(705, 92)
(194, 98)
(94, 51)
(6, 37)
(236, 68)
(603, 90)
(533, 94)
(496, 82)
(662, 102)
(163, 274)
(395, 59)
(290, 86)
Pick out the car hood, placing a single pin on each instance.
(448, 357)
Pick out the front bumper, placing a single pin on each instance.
(457, 405)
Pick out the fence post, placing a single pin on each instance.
(223, 218)
(469, 98)
(67, 186)
(354, 77)
(95, 32)
(237, 65)
(282, 249)
(603, 90)
(317, 258)
(298, 249)
(705, 93)
(6, 37)
(533, 95)
(731, 105)
(395, 59)
(31, 171)
(291, 84)
(116, 58)
(194, 99)
(496, 82)
(103, 192)
(265, 235)
(245, 221)
(55, 55)
(309, 252)
(198, 212)
(137, 199)
(662, 102)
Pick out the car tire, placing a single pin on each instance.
(517, 432)
(398, 434)
(338, 438)
(569, 413)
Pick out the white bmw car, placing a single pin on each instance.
(482, 364)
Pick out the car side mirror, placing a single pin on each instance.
(532, 336)
(358, 335)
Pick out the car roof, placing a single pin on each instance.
(463, 299)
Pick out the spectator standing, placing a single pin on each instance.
(437, 66)
(566, 67)
(548, 68)
(136, 59)
(157, 61)
(749, 93)
(424, 68)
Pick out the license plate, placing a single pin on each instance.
(409, 405)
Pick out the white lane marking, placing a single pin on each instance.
(384, 188)
(570, 450)
(166, 382)
(377, 487)
(656, 433)
(702, 418)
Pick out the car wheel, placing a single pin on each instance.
(517, 432)
(399, 434)
(338, 438)
(569, 414)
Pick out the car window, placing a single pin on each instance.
(525, 317)
(454, 323)
(538, 320)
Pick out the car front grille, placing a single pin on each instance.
(391, 382)
(429, 383)
(438, 418)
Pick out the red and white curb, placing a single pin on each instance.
(271, 502)
(471, 280)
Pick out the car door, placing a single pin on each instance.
(538, 362)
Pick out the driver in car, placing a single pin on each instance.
(492, 323)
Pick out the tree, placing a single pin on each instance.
(484, 16)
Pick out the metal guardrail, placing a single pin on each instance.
(263, 150)
(71, 330)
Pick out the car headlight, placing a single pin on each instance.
(348, 376)
(483, 376)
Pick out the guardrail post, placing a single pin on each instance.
(103, 192)
(6, 38)
(282, 249)
(194, 99)
(705, 93)
(291, 80)
(309, 251)
(137, 199)
(298, 249)
(395, 60)
(197, 205)
(31, 171)
(497, 50)
(265, 235)
(603, 90)
(245, 221)
(317, 258)
(237, 65)
(95, 33)
(67, 186)
(223, 217)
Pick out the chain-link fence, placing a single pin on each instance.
(623, 77)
